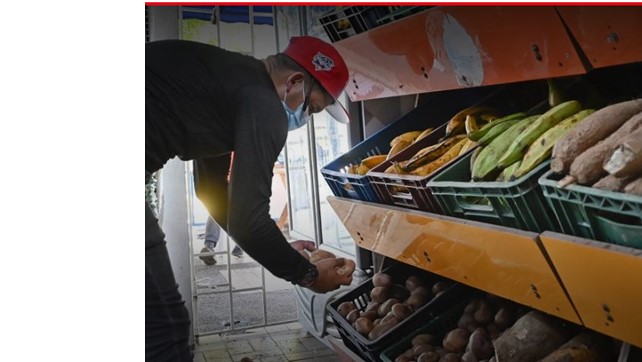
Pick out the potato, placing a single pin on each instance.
(390, 318)
(493, 330)
(472, 306)
(441, 351)
(409, 353)
(480, 344)
(353, 316)
(363, 326)
(400, 311)
(372, 315)
(380, 330)
(403, 358)
(428, 357)
(319, 254)
(399, 292)
(386, 306)
(484, 314)
(504, 318)
(423, 290)
(416, 300)
(469, 357)
(382, 280)
(380, 294)
(467, 322)
(451, 357)
(372, 306)
(440, 287)
(345, 308)
(456, 340)
(347, 268)
(413, 282)
(422, 348)
(376, 322)
(423, 339)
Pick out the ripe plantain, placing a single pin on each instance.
(478, 134)
(408, 137)
(373, 161)
(398, 147)
(542, 147)
(470, 144)
(423, 134)
(430, 153)
(485, 166)
(549, 119)
(452, 153)
(456, 124)
(471, 124)
(362, 169)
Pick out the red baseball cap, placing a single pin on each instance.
(326, 65)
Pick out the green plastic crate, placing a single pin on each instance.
(519, 204)
(438, 327)
(602, 215)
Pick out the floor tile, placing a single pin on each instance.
(261, 344)
(217, 355)
(309, 354)
(291, 346)
(235, 347)
(311, 343)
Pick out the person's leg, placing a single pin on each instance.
(212, 234)
(166, 318)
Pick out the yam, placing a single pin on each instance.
(634, 187)
(533, 336)
(467, 322)
(399, 291)
(469, 357)
(626, 158)
(319, 254)
(372, 315)
(587, 167)
(504, 318)
(422, 290)
(585, 347)
(390, 318)
(382, 280)
(591, 130)
(612, 183)
(416, 301)
(372, 306)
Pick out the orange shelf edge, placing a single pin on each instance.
(506, 262)
(604, 282)
(446, 48)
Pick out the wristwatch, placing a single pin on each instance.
(310, 276)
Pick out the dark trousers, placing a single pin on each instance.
(166, 318)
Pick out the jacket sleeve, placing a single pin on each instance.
(210, 186)
(260, 132)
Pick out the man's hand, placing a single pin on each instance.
(328, 278)
(301, 245)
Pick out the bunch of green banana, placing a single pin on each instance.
(507, 173)
(520, 143)
(542, 147)
(478, 134)
(485, 165)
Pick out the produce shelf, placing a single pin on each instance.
(604, 282)
(506, 262)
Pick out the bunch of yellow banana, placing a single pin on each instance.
(404, 140)
(366, 164)
(429, 159)
(469, 120)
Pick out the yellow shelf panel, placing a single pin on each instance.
(604, 282)
(502, 261)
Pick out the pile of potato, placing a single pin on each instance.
(390, 303)
(483, 320)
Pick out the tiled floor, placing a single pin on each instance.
(285, 342)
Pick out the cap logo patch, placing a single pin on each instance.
(322, 62)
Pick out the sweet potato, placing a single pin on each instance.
(591, 130)
(587, 167)
(626, 159)
(634, 187)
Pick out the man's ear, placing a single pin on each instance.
(293, 79)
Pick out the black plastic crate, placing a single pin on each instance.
(360, 296)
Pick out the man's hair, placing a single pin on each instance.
(282, 62)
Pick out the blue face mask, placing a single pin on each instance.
(296, 118)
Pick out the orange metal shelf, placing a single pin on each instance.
(457, 47)
(608, 35)
(603, 280)
(506, 262)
